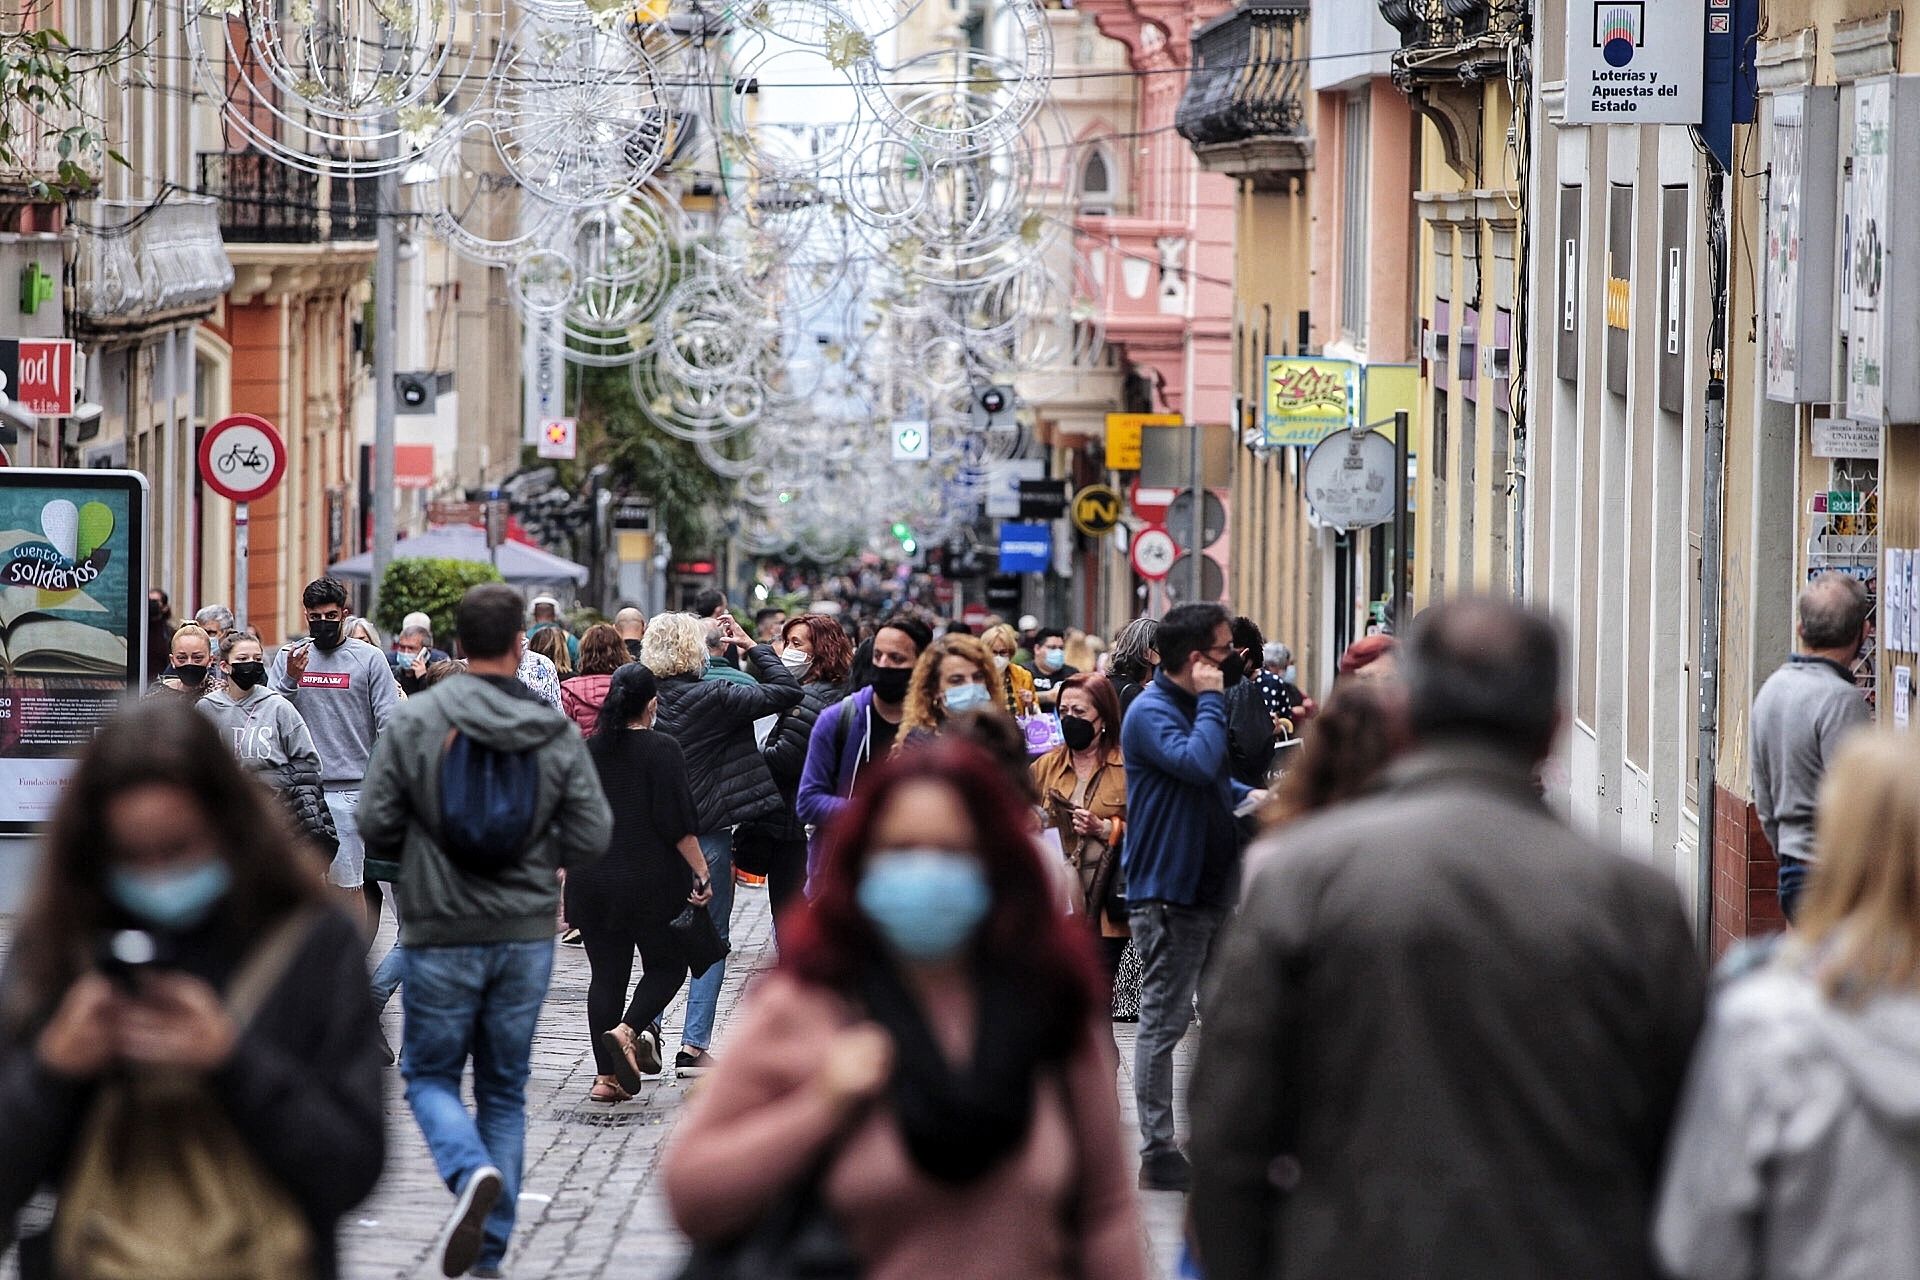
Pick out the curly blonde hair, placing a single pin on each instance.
(675, 645)
(926, 710)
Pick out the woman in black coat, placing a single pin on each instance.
(710, 713)
(621, 903)
(816, 650)
(177, 933)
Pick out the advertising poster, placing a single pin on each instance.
(1307, 398)
(72, 623)
(1866, 224)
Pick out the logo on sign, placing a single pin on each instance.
(70, 554)
(1306, 397)
(1618, 29)
(1096, 510)
(556, 438)
(911, 442)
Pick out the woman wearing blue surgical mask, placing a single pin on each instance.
(178, 983)
(955, 675)
(932, 1058)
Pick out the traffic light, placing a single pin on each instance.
(903, 533)
(992, 407)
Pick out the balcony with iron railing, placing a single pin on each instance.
(263, 201)
(1453, 41)
(1244, 110)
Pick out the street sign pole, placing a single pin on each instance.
(386, 312)
(1199, 511)
(241, 579)
(1402, 579)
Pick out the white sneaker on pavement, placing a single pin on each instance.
(460, 1239)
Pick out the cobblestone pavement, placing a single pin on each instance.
(589, 1204)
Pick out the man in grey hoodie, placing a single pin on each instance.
(479, 938)
(345, 690)
(1802, 713)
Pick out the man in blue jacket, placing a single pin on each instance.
(1181, 856)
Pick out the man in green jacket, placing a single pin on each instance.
(479, 934)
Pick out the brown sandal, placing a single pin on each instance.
(607, 1089)
(626, 1061)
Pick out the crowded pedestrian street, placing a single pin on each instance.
(959, 640)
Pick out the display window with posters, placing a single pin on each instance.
(73, 610)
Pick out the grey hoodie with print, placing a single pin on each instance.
(1797, 1155)
(442, 904)
(271, 740)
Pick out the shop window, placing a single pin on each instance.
(1843, 533)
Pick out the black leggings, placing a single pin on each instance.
(610, 955)
(786, 877)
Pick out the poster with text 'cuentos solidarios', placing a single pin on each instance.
(72, 623)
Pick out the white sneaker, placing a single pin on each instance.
(460, 1239)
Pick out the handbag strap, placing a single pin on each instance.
(267, 963)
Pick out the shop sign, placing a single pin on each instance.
(1307, 397)
(73, 615)
(1124, 436)
(37, 373)
(1349, 480)
(1845, 438)
(1634, 62)
(1096, 510)
(1025, 548)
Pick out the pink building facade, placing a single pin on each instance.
(1168, 265)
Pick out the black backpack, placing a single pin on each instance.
(488, 804)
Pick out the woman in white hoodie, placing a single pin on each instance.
(1797, 1153)
(270, 737)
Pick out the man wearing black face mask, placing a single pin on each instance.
(861, 728)
(344, 689)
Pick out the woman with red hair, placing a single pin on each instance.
(932, 1055)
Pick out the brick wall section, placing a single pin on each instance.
(1745, 874)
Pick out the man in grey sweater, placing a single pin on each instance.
(345, 690)
(1803, 711)
(479, 935)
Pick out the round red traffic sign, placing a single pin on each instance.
(242, 457)
(1153, 553)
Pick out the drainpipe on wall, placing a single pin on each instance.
(1712, 537)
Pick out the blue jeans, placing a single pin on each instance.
(1173, 943)
(482, 1001)
(388, 975)
(1793, 880)
(703, 997)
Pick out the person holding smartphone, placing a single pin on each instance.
(167, 887)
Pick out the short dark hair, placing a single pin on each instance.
(1833, 609)
(917, 631)
(1045, 634)
(709, 599)
(1485, 670)
(1246, 633)
(960, 629)
(488, 620)
(322, 592)
(1186, 630)
(761, 615)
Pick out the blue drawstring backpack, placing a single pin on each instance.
(488, 802)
